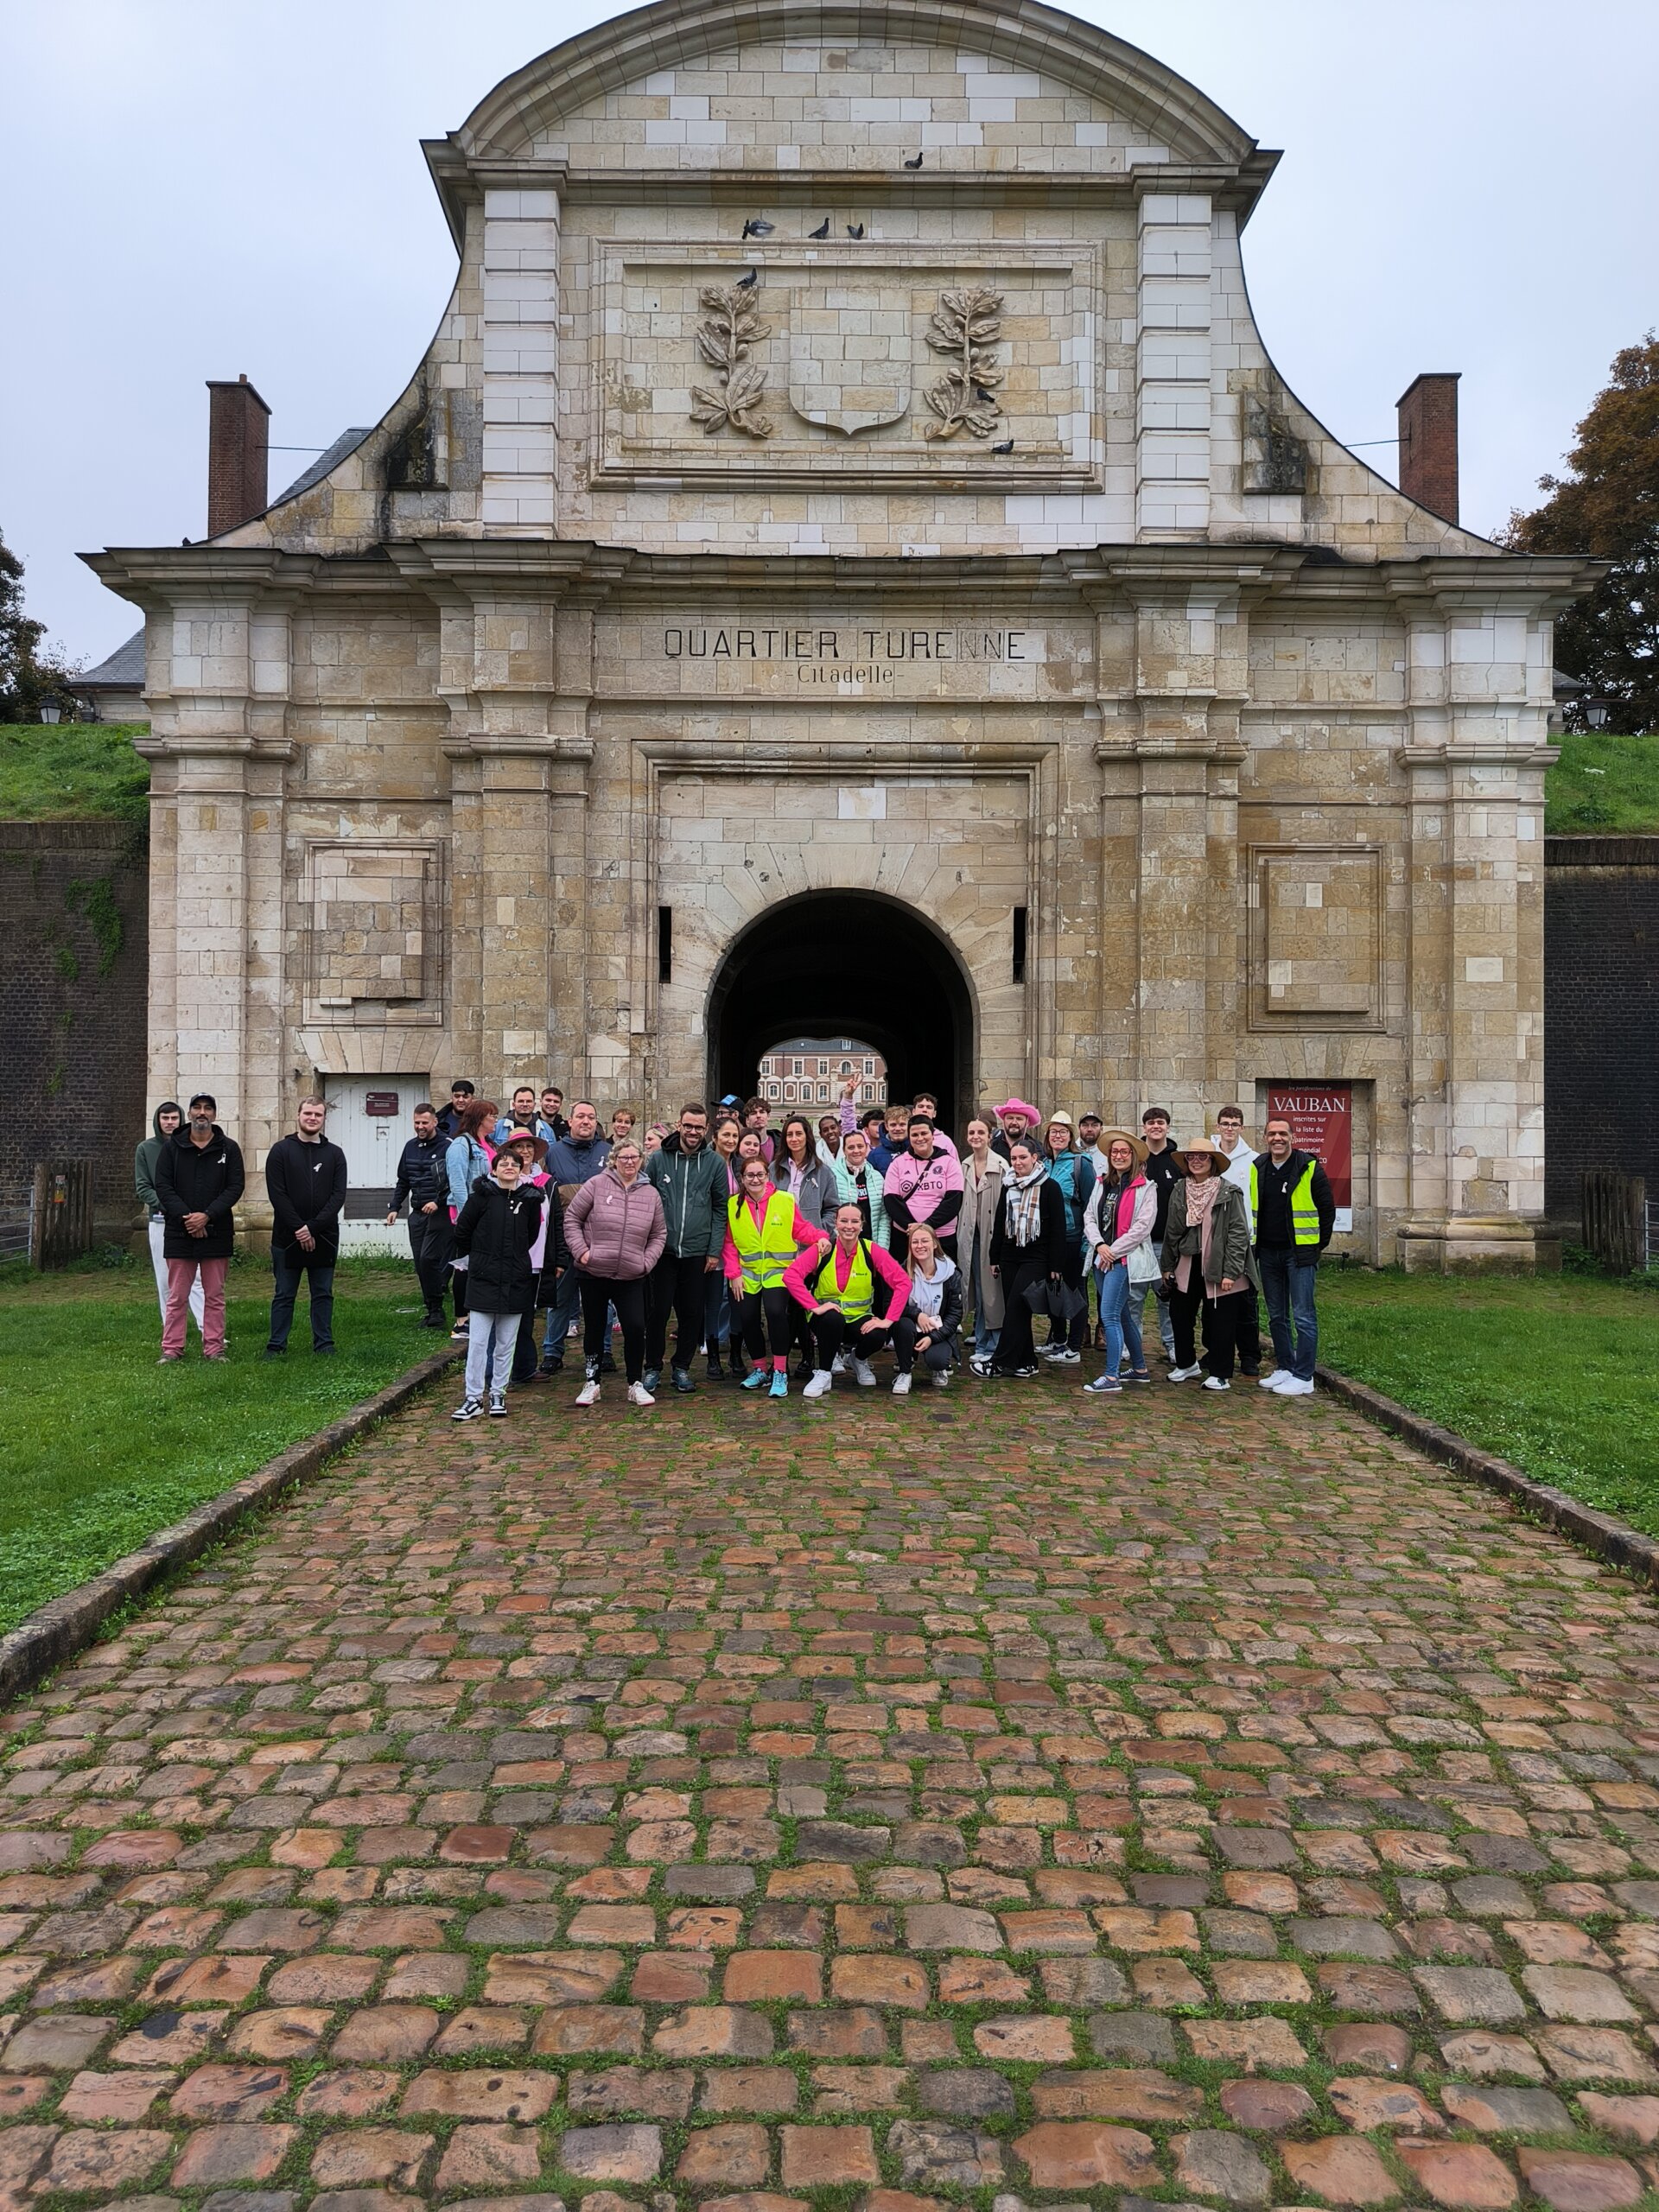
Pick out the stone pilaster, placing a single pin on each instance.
(1477, 748)
(1172, 365)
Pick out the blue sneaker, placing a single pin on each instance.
(779, 1384)
(756, 1379)
(1104, 1386)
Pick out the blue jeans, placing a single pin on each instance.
(1139, 1294)
(288, 1263)
(985, 1339)
(1287, 1286)
(1120, 1319)
(560, 1314)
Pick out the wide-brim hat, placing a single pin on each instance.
(1108, 1138)
(1060, 1116)
(1017, 1106)
(525, 1136)
(1199, 1144)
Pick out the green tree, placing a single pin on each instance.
(1609, 506)
(30, 676)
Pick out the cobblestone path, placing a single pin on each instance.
(985, 1798)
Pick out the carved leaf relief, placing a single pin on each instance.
(729, 332)
(967, 325)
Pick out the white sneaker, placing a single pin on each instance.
(1272, 1382)
(1184, 1374)
(1292, 1387)
(468, 1410)
(900, 1385)
(863, 1373)
(819, 1386)
(941, 1381)
(588, 1394)
(838, 1364)
(1064, 1357)
(981, 1365)
(1215, 1382)
(499, 1404)
(639, 1395)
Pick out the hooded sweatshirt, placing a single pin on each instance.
(199, 1179)
(146, 1155)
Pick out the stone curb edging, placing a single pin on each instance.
(65, 1626)
(1596, 1532)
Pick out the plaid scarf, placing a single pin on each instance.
(1026, 1206)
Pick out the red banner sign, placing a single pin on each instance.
(1321, 1117)
(381, 1105)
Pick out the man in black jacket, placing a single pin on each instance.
(1295, 1214)
(1163, 1170)
(199, 1179)
(305, 1181)
(424, 1180)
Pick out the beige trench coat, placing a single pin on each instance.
(978, 1215)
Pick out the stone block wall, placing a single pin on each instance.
(1601, 1013)
(74, 959)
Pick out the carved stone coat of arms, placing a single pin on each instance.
(849, 354)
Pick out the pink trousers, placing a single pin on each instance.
(181, 1275)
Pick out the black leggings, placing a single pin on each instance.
(764, 1316)
(599, 1294)
(832, 1334)
(1228, 1322)
(937, 1348)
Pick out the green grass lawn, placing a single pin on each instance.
(1602, 783)
(1559, 1374)
(73, 770)
(99, 1446)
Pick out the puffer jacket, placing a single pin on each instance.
(496, 1234)
(952, 1301)
(1229, 1239)
(981, 1205)
(619, 1225)
(848, 1193)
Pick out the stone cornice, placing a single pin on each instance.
(581, 572)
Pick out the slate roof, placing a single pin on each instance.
(345, 443)
(125, 666)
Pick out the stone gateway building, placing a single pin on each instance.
(847, 563)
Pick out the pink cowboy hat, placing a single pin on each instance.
(1017, 1106)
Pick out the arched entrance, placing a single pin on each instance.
(853, 960)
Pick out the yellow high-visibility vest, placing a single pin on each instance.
(764, 1248)
(856, 1298)
(1304, 1214)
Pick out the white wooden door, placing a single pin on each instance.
(369, 1118)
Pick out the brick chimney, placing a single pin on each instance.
(1428, 443)
(238, 427)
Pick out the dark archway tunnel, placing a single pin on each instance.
(830, 962)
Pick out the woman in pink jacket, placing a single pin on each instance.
(614, 1228)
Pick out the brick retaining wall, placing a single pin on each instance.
(73, 1003)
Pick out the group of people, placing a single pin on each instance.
(803, 1251)
(799, 1252)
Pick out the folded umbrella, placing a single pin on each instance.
(1057, 1299)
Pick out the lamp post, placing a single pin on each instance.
(1597, 714)
(51, 714)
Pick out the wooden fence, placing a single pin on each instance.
(1616, 1218)
(60, 1213)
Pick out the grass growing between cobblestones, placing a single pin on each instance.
(99, 1447)
(1558, 1373)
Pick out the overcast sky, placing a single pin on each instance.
(200, 189)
